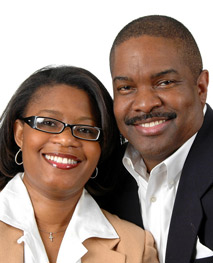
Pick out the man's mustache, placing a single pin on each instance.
(135, 119)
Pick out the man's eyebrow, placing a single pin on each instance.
(121, 78)
(165, 72)
(159, 74)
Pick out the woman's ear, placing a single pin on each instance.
(18, 132)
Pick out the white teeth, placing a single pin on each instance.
(152, 124)
(60, 159)
(64, 160)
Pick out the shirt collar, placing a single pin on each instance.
(16, 210)
(89, 221)
(15, 205)
(174, 163)
(133, 162)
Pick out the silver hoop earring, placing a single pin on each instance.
(16, 158)
(96, 173)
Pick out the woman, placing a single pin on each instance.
(56, 131)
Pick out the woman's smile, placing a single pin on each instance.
(62, 161)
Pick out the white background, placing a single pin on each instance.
(34, 34)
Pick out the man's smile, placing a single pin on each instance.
(150, 119)
(151, 124)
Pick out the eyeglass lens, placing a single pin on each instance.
(54, 126)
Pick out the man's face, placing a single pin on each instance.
(158, 103)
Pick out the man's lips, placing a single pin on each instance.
(151, 119)
(62, 161)
(152, 123)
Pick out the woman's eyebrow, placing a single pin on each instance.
(60, 115)
(43, 111)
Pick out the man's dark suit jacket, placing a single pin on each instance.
(193, 209)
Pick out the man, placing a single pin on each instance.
(160, 91)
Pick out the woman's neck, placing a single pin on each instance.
(53, 214)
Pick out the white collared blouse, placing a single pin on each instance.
(87, 221)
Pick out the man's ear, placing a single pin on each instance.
(202, 85)
(18, 132)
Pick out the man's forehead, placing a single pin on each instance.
(142, 53)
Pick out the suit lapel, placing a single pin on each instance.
(186, 217)
(101, 250)
(195, 180)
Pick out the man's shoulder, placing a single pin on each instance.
(205, 133)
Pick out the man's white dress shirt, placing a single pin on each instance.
(87, 221)
(157, 192)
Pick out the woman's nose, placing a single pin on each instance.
(66, 138)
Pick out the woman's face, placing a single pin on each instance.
(44, 154)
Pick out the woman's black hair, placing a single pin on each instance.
(101, 101)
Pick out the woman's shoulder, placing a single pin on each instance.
(120, 223)
(132, 237)
(124, 227)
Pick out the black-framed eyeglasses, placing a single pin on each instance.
(50, 125)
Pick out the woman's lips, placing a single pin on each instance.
(62, 161)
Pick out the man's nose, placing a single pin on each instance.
(146, 99)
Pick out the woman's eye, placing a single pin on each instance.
(49, 123)
(84, 130)
(46, 123)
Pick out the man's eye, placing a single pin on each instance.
(166, 83)
(125, 89)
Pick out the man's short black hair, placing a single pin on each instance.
(167, 27)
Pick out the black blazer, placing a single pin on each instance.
(193, 209)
